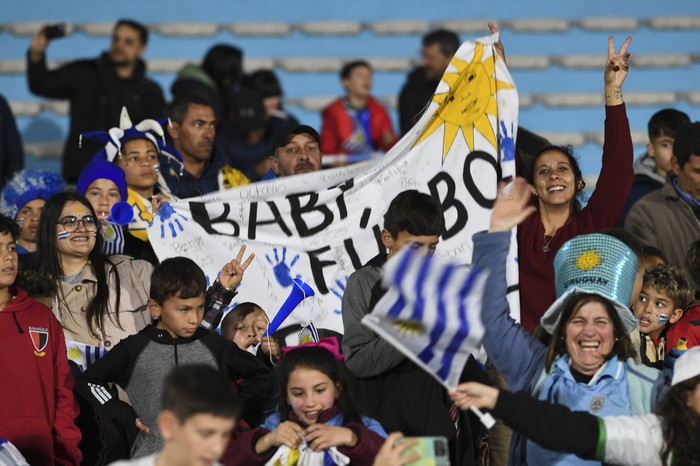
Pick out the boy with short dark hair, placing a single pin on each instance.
(356, 123)
(665, 293)
(651, 168)
(197, 416)
(386, 384)
(139, 363)
(37, 412)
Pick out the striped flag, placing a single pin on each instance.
(113, 239)
(431, 312)
(84, 355)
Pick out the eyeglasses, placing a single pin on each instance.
(70, 224)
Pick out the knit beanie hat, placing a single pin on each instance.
(98, 169)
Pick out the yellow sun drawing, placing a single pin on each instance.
(408, 327)
(588, 260)
(468, 102)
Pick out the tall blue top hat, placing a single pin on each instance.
(597, 264)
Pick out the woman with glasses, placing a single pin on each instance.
(100, 300)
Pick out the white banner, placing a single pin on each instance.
(322, 226)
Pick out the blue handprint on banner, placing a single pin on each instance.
(506, 142)
(167, 216)
(339, 291)
(283, 272)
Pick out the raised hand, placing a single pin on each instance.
(498, 45)
(39, 44)
(617, 65)
(512, 208)
(232, 273)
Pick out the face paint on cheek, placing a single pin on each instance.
(156, 168)
(63, 235)
(20, 222)
(663, 318)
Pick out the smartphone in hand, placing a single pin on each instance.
(433, 451)
(55, 31)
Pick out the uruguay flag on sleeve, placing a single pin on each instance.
(431, 312)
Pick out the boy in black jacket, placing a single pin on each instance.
(140, 363)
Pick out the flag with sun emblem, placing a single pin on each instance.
(431, 312)
(320, 227)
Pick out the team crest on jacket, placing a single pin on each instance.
(597, 403)
(40, 338)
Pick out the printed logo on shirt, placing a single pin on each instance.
(40, 338)
(597, 403)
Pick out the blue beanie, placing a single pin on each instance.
(98, 169)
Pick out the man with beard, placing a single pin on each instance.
(297, 150)
(192, 130)
(97, 89)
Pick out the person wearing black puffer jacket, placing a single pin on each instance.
(97, 89)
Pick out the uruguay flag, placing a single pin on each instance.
(84, 355)
(431, 312)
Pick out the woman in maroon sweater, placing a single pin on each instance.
(556, 180)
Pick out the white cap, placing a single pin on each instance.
(687, 366)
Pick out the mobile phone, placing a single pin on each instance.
(433, 451)
(55, 31)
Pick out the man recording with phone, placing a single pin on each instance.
(97, 89)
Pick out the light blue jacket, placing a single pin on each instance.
(618, 388)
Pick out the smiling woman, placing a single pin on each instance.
(100, 300)
(557, 185)
(587, 364)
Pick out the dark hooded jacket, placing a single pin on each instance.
(96, 95)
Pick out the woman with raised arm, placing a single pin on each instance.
(587, 364)
(557, 185)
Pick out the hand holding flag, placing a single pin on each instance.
(431, 313)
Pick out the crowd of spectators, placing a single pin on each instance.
(108, 351)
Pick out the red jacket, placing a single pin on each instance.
(37, 411)
(338, 126)
(688, 327)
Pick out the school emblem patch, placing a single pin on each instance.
(597, 403)
(40, 338)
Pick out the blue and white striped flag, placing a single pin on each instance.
(113, 239)
(431, 312)
(84, 355)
